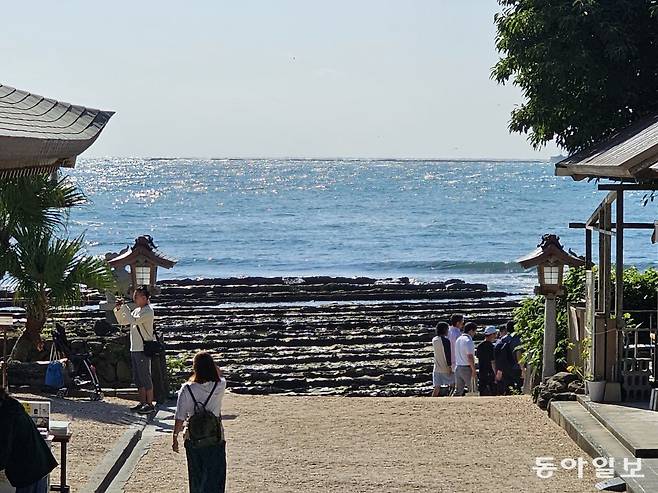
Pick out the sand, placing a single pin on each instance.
(95, 427)
(321, 444)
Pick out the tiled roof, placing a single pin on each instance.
(38, 134)
(630, 154)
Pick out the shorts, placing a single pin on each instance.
(443, 379)
(141, 366)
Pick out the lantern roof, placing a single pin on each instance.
(550, 251)
(143, 248)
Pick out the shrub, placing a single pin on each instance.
(178, 371)
(639, 294)
(529, 321)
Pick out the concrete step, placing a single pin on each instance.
(635, 428)
(597, 441)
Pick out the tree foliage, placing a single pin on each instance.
(529, 321)
(33, 203)
(43, 266)
(640, 292)
(587, 68)
(47, 271)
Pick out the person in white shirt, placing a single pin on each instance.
(141, 329)
(442, 375)
(206, 465)
(454, 331)
(464, 356)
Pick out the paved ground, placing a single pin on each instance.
(326, 444)
(95, 427)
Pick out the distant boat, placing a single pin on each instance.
(557, 159)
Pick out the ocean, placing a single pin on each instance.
(426, 220)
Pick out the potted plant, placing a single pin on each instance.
(594, 388)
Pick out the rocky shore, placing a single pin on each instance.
(313, 335)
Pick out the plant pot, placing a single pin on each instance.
(595, 390)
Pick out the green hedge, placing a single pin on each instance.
(639, 294)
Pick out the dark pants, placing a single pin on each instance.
(511, 382)
(40, 486)
(517, 380)
(206, 467)
(486, 383)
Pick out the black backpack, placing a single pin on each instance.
(204, 428)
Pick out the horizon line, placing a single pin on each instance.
(334, 158)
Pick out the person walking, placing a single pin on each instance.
(517, 371)
(442, 375)
(505, 361)
(454, 331)
(486, 362)
(200, 406)
(141, 330)
(465, 359)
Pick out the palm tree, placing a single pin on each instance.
(44, 271)
(47, 272)
(35, 202)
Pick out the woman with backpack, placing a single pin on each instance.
(200, 405)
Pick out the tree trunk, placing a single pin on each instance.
(33, 328)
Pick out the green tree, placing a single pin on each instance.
(529, 321)
(587, 68)
(29, 203)
(47, 272)
(44, 270)
(640, 291)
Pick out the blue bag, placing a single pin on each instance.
(55, 375)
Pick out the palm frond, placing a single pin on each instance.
(52, 270)
(36, 201)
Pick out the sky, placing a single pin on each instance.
(264, 78)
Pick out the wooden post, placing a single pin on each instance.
(619, 274)
(5, 383)
(550, 337)
(588, 249)
(619, 267)
(600, 340)
(600, 306)
(607, 239)
(160, 378)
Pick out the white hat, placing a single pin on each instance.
(490, 330)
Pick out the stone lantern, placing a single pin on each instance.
(550, 259)
(143, 260)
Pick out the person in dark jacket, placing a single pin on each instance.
(508, 372)
(486, 363)
(24, 455)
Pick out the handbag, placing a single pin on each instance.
(55, 371)
(151, 348)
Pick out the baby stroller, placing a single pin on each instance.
(83, 376)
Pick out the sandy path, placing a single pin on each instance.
(299, 444)
(95, 427)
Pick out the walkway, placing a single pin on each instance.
(319, 444)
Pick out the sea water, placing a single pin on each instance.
(380, 218)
